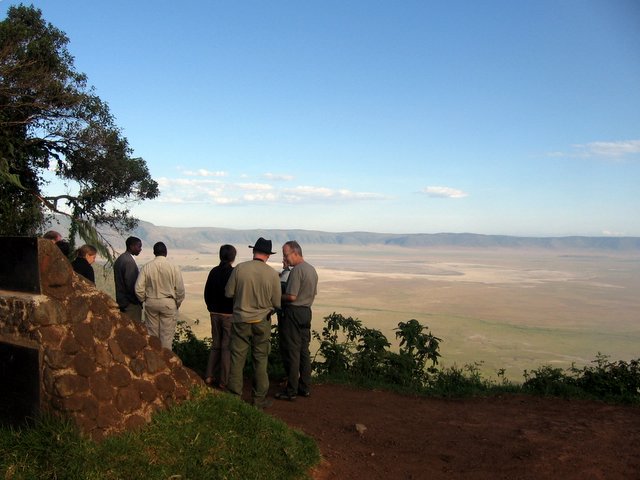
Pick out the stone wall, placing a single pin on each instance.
(96, 365)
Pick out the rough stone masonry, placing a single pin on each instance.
(95, 364)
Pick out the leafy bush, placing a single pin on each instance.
(371, 357)
(466, 381)
(337, 342)
(350, 351)
(193, 352)
(612, 381)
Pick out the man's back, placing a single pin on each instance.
(161, 279)
(255, 288)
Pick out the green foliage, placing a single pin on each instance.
(466, 381)
(371, 355)
(548, 380)
(337, 342)
(611, 381)
(211, 436)
(349, 350)
(51, 121)
(193, 352)
(276, 368)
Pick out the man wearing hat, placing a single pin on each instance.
(255, 288)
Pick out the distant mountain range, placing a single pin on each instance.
(194, 238)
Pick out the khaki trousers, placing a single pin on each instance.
(160, 317)
(254, 336)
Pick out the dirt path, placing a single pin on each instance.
(507, 437)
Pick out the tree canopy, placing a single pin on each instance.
(51, 121)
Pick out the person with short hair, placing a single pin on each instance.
(295, 328)
(255, 289)
(220, 310)
(53, 236)
(85, 256)
(161, 289)
(125, 273)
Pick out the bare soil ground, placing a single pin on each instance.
(382, 435)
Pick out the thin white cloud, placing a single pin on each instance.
(608, 150)
(217, 192)
(609, 233)
(278, 176)
(260, 197)
(306, 192)
(444, 192)
(185, 182)
(611, 149)
(254, 186)
(201, 172)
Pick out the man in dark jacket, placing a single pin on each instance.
(125, 273)
(220, 310)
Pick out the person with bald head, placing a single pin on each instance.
(295, 327)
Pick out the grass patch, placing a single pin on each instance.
(211, 436)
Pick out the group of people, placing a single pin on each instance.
(241, 302)
(85, 256)
(158, 286)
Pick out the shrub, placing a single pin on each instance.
(337, 342)
(193, 351)
(613, 381)
(350, 351)
(619, 380)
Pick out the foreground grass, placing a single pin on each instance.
(212, 437)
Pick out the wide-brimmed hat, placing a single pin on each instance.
(263, 246)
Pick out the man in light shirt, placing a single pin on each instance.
(161, 289)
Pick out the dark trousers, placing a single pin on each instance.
(295, 336)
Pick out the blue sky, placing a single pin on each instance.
(496, 117)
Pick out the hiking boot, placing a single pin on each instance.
(285, 396)
(304, 393)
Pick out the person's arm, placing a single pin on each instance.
(293, 286)
(140, 287)
(287, 298)
(276, 299)
(179, 288)
(130, 276)
(208, 292)
(230, 288)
